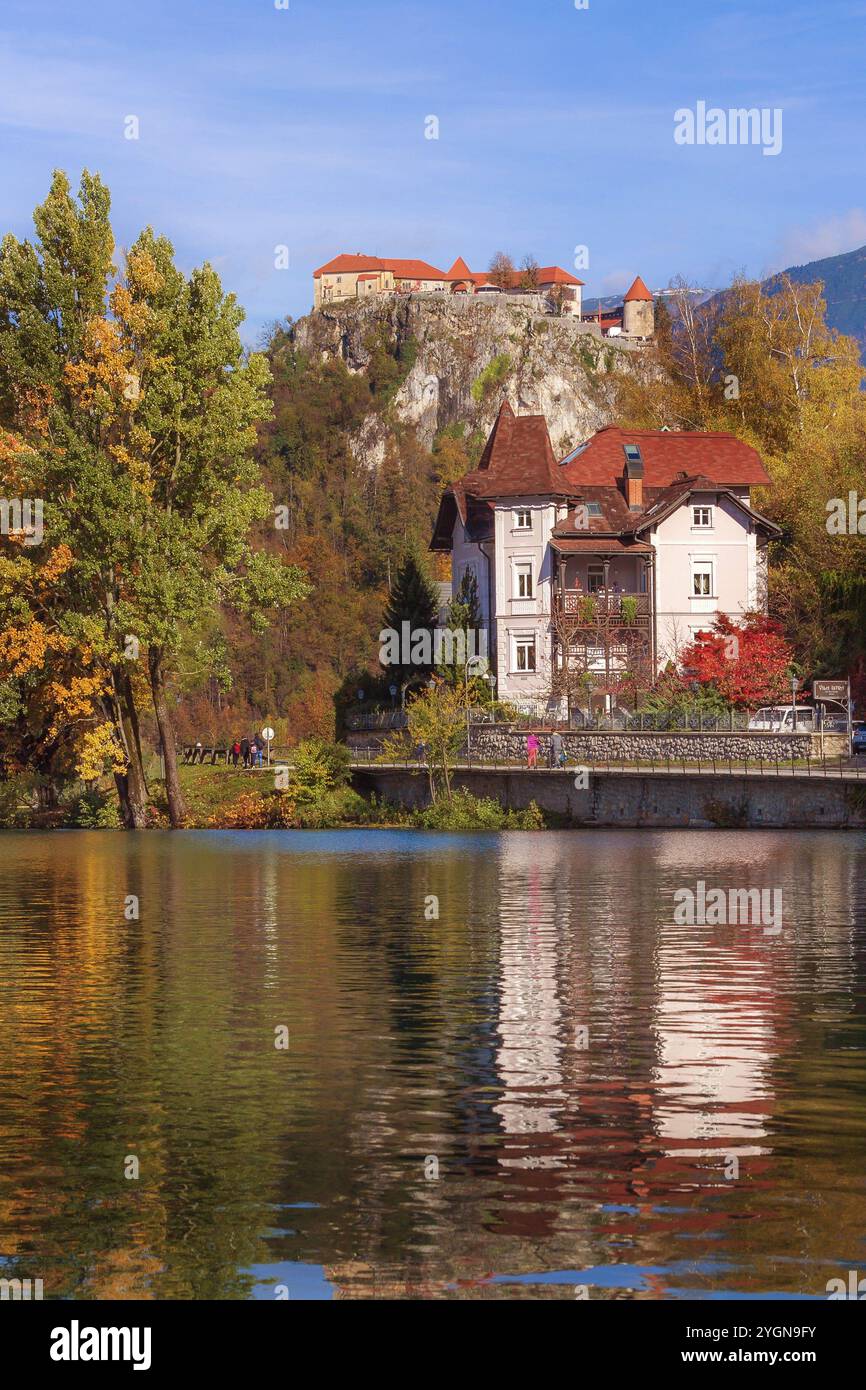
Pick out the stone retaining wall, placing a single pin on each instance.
(508, 745)
(648, 799)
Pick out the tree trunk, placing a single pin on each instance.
(131, 785)
(176, 805)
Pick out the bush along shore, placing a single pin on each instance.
(311, 794)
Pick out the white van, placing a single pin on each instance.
(779, 719)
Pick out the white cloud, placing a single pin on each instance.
(831, 237)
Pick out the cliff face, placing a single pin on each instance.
(466, 354)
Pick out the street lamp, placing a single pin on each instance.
(471, 662)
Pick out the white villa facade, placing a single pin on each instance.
(607, 562)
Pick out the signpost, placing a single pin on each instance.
(834, 693)
(267, 735)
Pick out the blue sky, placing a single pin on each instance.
(305, 127)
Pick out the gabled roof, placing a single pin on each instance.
(668, 456)
(555, 275)
(459, 270)
(518, 459)
(669, 499)
(347, 265)
(638, 290)
(402, 269)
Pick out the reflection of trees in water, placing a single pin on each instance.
(452, 1037)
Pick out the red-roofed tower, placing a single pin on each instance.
(638, 311)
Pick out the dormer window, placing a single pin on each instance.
(633, 454)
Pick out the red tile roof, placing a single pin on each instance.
(402, 269)
(518, 459)
(413, 270)
(638, 291)
(667, 454)
(546, 275)
(422, 270)
(347, 265)
(555, 275)
(459, 270)
(604, 545)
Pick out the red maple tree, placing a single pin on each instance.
(748, 662)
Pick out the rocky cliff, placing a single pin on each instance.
(464, 355)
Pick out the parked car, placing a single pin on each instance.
(858, 741)
(779, 719)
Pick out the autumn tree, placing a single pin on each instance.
(761, 362)
(501, 270)
(748, 663)
(529, 274)
(140, 408)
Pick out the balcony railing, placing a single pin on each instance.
(603, 608)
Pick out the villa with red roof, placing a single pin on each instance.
(606, 562)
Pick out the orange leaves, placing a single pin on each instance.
(100, 380)
(56, 563)
(76, 701)
(28, 649)
(13, 457)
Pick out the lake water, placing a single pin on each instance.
(613, 1101)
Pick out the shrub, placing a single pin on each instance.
(586, 609)
(15, 805)
(94, 809)
(493, 376)
(252, 811)
(319, 767)
(463, 811)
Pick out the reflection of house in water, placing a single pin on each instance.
(715, 1025)
(529, 1058)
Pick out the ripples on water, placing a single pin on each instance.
(614, 1101)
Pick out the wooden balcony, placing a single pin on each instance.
(603, 609)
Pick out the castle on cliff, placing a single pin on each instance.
(360, 276)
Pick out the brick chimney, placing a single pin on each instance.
(633, 477)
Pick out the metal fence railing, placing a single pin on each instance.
(820, 766)
(620, 721)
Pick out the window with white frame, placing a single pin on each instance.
(594, 578)
(523, 579)
(703, 579)
(702, 518)
(523, 519)
(523, 646)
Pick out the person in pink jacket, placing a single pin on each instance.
(532, 747)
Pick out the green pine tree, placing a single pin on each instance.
(413, 599)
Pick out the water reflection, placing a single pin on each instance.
(611, 1098)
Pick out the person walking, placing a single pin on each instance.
(532, 747)
(245, 751)
(259, 750)
(557, 750)
(236, 752)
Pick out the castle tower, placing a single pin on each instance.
(638, 311)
